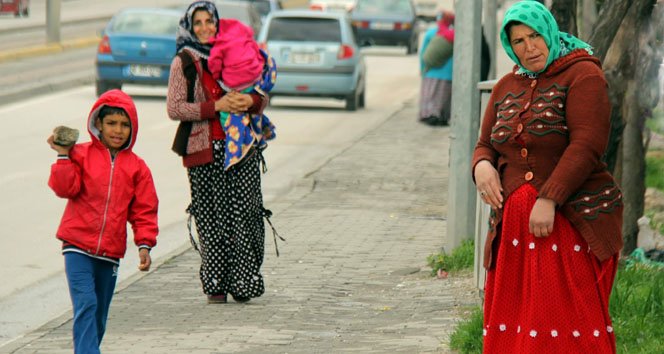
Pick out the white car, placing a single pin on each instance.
(429, 9)
(332, 5)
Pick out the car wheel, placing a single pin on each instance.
(361, 99)
(352, 101)
(103, 86)
(26, 12)
(412, 47)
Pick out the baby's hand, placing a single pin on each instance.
(61, 150)
(145, 260)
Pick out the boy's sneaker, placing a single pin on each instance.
(217, 299)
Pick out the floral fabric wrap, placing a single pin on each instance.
(245, 131)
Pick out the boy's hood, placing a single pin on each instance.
(114, 98)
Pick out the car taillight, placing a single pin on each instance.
(361, 24)
(402, 25)
(104, 46)
(316, 7)
(345, 52)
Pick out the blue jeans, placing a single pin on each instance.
(91, 284)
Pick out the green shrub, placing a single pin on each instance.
(461, 258)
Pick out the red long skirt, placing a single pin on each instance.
(549, 294)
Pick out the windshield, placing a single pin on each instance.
(401, 7)
(263, 7)
(300, 29)
(146, 23)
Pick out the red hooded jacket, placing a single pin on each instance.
(104, 194)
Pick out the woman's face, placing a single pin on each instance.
(204, 26)
(529, 47)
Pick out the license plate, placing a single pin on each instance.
(381, 25)
(145, 70)
(304, 58)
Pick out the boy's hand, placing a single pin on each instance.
(62, 150)
(146, 261)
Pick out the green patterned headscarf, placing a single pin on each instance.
(539, 18)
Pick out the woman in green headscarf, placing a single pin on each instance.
(555, 226)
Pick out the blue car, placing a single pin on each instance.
(387, 22)
(316, 55)
(137, 47)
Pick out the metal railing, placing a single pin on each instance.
(482, 209)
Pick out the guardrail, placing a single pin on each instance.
(482, 209)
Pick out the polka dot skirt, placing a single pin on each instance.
(228, 210)
(548, 294)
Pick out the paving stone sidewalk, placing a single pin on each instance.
(352, 276)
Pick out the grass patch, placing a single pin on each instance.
(636, 307)
(655, 170)
(461, 258)
(467, 338)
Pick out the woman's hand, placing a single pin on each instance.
(488, 184)
(541, 217)
(61, 150)
(234, 102)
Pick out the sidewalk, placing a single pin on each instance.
(352, 276)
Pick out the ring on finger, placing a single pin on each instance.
(482, 193)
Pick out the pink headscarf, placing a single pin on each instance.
(444, 23)
(235, 58)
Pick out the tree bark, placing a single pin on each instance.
(564, 11)
(610, 17)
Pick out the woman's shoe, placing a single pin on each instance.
(240, 298)
(217, 299)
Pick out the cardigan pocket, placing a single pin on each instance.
(590, 203)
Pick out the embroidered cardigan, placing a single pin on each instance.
(201, 112)
(551, 131)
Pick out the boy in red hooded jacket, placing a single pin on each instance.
(106, 185)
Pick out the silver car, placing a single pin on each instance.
(317, 55)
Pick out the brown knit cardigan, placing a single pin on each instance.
(561, 119)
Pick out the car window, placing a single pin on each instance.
(145, 23)
(384, 7)
(237, 12)
(263, 7)
(300, 29)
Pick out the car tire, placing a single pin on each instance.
(412, 47)
(103, 86)
(361, 99)
(352, 101)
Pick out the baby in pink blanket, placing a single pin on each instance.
(238, 64)
(235, 59)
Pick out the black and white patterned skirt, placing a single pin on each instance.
(228, 210)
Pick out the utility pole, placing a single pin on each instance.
(490, 33)
(465, 120)
(53, 21)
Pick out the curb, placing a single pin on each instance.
(49, 48)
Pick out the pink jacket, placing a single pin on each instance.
(104, 195)
(235, 58)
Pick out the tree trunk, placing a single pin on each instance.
(564, 11)
(640, 67)
(610, 17)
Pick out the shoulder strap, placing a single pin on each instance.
(189, 71)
